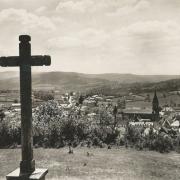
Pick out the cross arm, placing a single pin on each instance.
(9, 61)
(13, 61)
(40, 61)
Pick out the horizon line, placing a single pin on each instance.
(126, 73)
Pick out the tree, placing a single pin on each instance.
(45, 96)
(121, 103)
(2, 115)
(115, 111)
(16, 101)
(164, 95)
(81, 99)
(147, 98)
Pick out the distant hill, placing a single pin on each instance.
(8, 75)
(65, 81)
(71, 81)
(132, 78)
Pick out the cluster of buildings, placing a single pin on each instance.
(137, 114)
(166, 117)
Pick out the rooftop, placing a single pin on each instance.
(137, 111)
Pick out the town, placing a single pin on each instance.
(142, 111)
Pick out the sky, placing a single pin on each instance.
(96, 36)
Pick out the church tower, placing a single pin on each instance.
(155, 107)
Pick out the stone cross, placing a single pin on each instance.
(25, 61)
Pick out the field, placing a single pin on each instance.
(169, 99)
(95, 163)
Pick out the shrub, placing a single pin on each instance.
(52, 127)
(133, 135)
(176, 143)
(163, 143)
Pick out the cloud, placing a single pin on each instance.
(151, 27)
(87, 38)
(102, 6)
(142, 5)
(25, 20)
(150, 37)
(41, 9)
(130, 9)
(28, 4)
(138, 41)
(123, 35)
(77, 6)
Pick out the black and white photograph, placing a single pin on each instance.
(89, 89)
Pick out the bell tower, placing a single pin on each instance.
(155, 107)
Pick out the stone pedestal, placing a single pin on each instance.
(38, 174)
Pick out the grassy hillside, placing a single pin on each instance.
(115, 164)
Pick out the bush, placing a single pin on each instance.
(10, 131)
(163, 143)
(133, 135)
(120, 141)
(52, 127)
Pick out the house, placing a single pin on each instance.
(84, 108)
(175, 124)
(167, 109)
(108, 100)
(92, 114)
(169, 124)
(176, 109)
(110, 97)
(94, 96)
(142, 124)
(138, 113)
(89, 102)
(16, 105)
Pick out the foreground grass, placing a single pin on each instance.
(115, 164)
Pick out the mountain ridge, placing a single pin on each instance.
(68, 81)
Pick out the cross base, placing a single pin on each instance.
(38, 174)
(27, 166)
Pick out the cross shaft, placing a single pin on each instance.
(25, 61)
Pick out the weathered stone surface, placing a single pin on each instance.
(38, 174)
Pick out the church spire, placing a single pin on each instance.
(155, 106)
